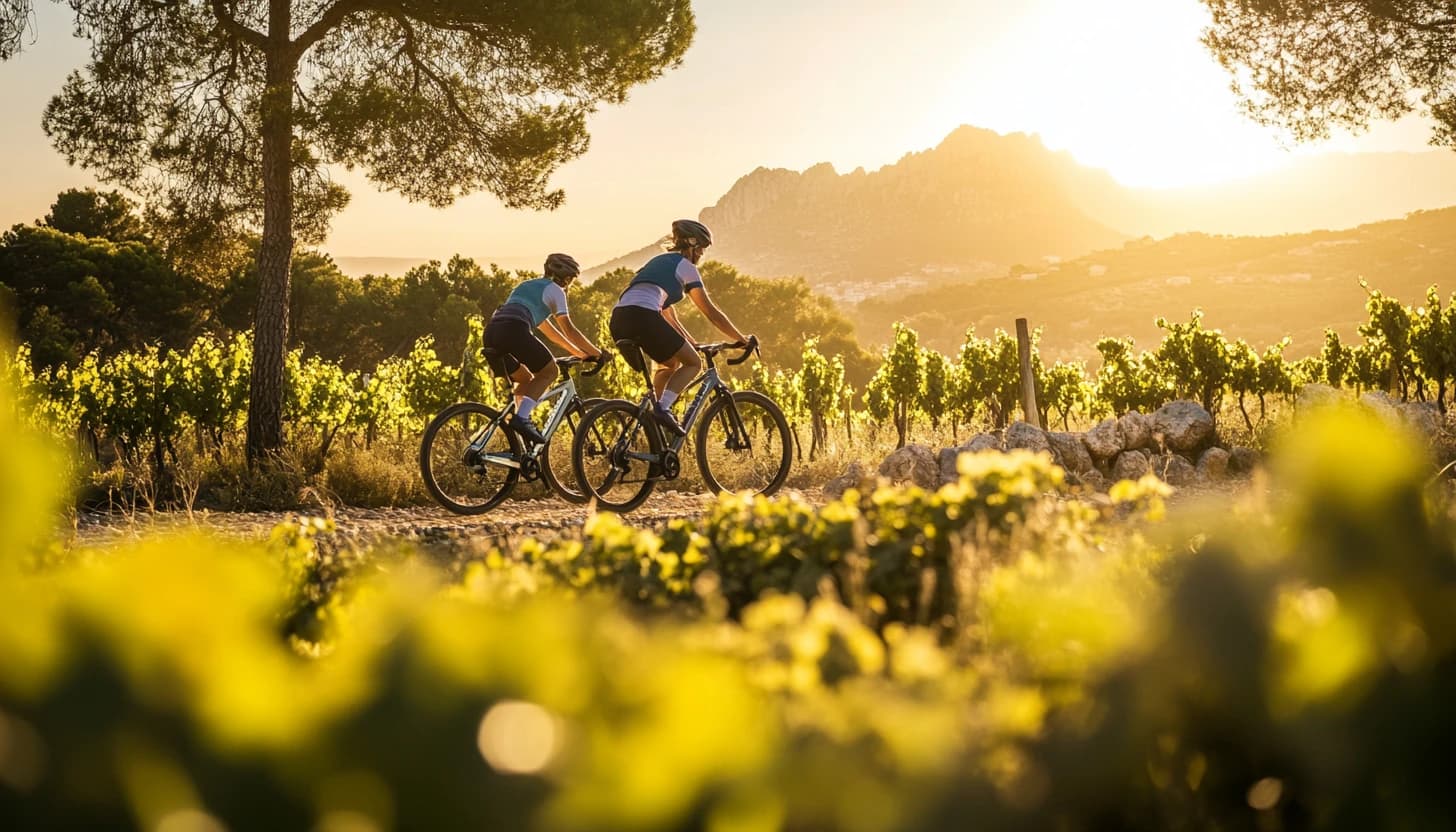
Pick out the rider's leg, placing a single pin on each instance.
(534, 384)
(688, 366)
(662, 374)
(522, 377)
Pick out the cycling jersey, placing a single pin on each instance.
(665, 280)
(533, 301)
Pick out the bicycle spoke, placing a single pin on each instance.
(743, 445)
(468, 463)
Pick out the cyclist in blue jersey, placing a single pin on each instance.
(644, 314)
(536, 303)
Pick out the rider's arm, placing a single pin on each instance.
(553, 333)
(671, 315)
(715, 315)
(580, 344)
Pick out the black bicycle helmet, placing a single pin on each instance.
(562, 265)
(692, 233)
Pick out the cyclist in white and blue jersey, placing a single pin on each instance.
(536, 303)
(644, 314)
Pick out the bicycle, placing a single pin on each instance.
(471, 459)
(742, 442)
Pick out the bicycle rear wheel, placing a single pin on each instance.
(556, 467)
(469, 460)
(614, 455)
(743, 444)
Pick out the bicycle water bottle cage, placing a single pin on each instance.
(632, 354)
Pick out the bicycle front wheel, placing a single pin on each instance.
(743, 444)
(468, 459)
(615, 456)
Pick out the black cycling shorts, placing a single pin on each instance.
(649, 329)
(517, 345)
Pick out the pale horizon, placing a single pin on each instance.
(1131, 92)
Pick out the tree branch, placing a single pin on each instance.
(331, 17)
(231, 25)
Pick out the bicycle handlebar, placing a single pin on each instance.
(749, 347)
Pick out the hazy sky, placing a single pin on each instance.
(1121, 84)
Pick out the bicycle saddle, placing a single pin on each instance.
(632, 354)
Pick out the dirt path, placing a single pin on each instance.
(427, 525)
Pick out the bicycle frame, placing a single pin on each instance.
(708, 384)
(564, 394)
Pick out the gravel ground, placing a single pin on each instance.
(428, 525)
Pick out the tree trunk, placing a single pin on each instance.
(275, 254)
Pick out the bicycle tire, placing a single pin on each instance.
(458, 475)
(718, 415)
(572, 492)
(615, 428)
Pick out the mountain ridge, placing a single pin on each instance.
(981, 201)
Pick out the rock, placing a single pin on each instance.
(1092, 480)
(948, 456)
(1316, 395)
(1425, 417)
(1174, 469)
(1243, 460)
(1184, 425)
(851, 478)
(1131, 465)
(946, 462)
(1381, 404)
(1213, 466)
(1136, 431)
(912, 463)
(1103, 441)
(1027, 436)
(983, 442)
(1070, 452)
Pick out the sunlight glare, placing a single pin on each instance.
(518, 737)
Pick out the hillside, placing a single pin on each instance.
(970, 206)
(1257, 288)
(980, 202)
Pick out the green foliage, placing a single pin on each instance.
(823, 388)
(990, 655)
(1312, 67)
(1127, 382)
(108, 215)
(75, 294)
(1433, 343)
(1064, 389)
(1195, 359)
(900, 379)
(934, 399)
(1338, 359)
(214, 384)
(1389, 325)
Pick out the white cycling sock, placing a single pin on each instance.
(667, 398)
(527, 405)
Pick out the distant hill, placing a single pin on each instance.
(1335, 190)
(1257, 288)
(970, 206)
(980, 202)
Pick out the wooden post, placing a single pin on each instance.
(1031, 415)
